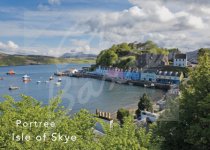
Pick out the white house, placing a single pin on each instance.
(180, 60)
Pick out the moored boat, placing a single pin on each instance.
(26, 78)
(11, 72)
(13, 88)
(59, 79)
(38, 82)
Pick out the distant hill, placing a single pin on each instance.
(78, 55)
(15, 60)
(193, 56)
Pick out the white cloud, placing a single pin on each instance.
(54, 2)
(182, 24)
(10, 45)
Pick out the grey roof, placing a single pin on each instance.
(169, 73)
(180, 56)
(150, 71)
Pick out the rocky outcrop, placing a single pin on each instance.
(151, 60)
(192, 56)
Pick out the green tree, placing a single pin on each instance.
(121, 114)
(81, 125)
(144, 103)
(128, 136)
(192, 130)
(107, 58)
(30, 110)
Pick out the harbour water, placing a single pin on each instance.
(78, 93)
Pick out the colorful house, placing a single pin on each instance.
(149, 75)
(169, 77)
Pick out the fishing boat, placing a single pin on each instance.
(11, 72)
(26, 78)
(13, 88)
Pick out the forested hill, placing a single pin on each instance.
(126, 55)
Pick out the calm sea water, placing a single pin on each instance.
(77, 92)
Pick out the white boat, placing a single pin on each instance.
(13, 88)
(38, 82)
(46, 81)
(152, 85)
(26, 78)
(59, 79)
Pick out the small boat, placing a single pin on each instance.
(13, 88)
(1, 78)
(26, 78)
(149, 85)
(51, 78)
(11, 72)
(59, 79)
(46, 81)
(152, 85)
(38, 82)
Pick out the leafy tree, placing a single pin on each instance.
(144, 103)
(30, 110)
(121, 114)
(192, 130)
(81, 124)
(107, 58)
(129, 136)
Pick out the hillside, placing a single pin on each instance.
(15, 60)
(193, 56)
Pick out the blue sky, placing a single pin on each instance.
(54, 27)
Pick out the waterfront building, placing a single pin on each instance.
(148, 75)
(169, 77)
(101, 71)
(127, 74)
(180, 60)
(135, 75)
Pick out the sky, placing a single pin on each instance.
(54, 27)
